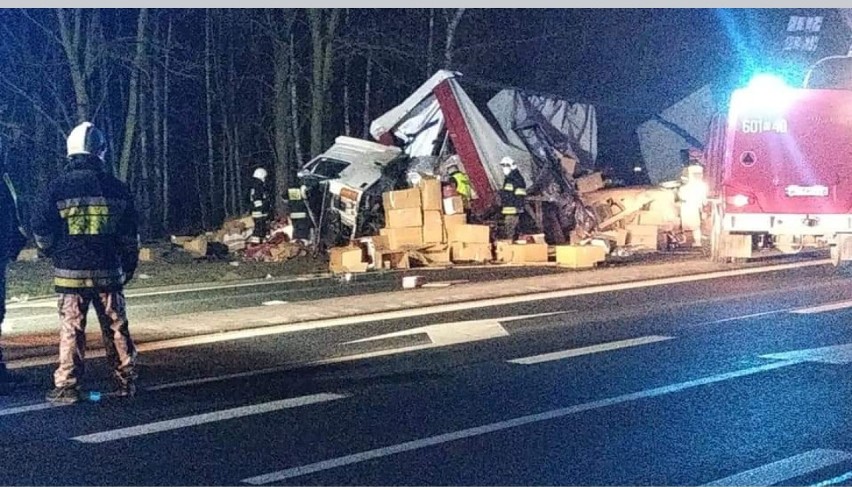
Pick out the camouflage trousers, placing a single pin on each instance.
(110, 308)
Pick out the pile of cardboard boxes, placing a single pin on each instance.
(642, 218)
(422, 226)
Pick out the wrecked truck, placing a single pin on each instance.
(343, 188)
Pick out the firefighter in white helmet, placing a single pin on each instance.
(513, 196)
(261, 206)
(86, 222)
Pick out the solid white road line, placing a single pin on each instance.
(834, 481)
(786, 469)
(186, 422)
(427, 310)
(823, 308)
(29, 408)
(502, 425)
(574, 352)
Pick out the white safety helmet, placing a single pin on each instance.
(508, 165)
(86, 139)
(508, 162)
(260, 173)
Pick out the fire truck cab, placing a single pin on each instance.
(779, 166)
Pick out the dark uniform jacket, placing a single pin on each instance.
(86, 222)
(261, 204)
(513, 193)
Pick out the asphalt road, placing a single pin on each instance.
(738, 381)
(150, 304)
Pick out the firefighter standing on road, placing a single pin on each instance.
(512, 197)
(260, 206)
(12, 240)
(86, 222)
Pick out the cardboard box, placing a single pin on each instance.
(438, 256)
(403, 237)
(406, 217)
(453, 220)
(146, 255)
(235, 241)
(514, 253)
(647, 236)
(469, 233)
(579, 256)
(345, 259)
(453, 205)
(569, 164)
(650, 218)
(433, 227)
(402, 199)
(535, 252)
(618, 235)
(392, 259)
(196, 247)
(470, 252)
(667, 217)
(182, 240)
(431, 198)
(592, 182)
(247, 221)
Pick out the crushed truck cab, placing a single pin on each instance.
(780, 165)
(344, 186)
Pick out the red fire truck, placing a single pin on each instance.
(780, 168)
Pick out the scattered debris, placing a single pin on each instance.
(411, 282)
(445, 283)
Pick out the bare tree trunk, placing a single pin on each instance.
(451, 34)
(133, 96)
(322, 38)
(347, 125)
(294, 103)
(143, 161)
(236, 186)
(166, 166)
(156, 141)
(71, 43)
(430, 47)
(208, 199)
(368, 77)
(283, 140)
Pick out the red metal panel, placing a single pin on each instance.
(466, 148)
(804, 141)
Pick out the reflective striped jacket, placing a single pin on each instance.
(513, 194)
(86, 222)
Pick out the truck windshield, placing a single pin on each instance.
(329, 168)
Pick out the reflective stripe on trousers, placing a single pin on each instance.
(111, 311)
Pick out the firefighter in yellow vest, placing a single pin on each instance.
(513, 195)
(461, 183)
